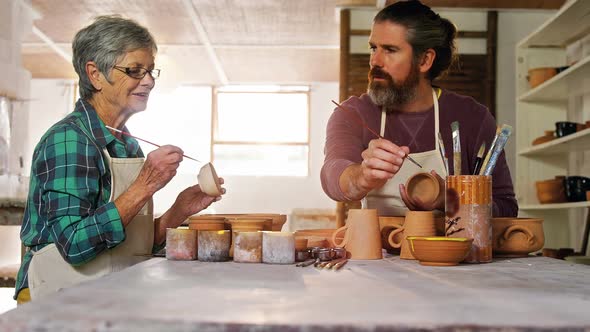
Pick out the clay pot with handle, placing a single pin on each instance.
(517, 237)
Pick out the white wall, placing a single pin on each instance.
(512, 27)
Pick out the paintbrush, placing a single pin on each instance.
(456, 148)
(441, 149)
(359, 120)
(145, 140)
(489, 154)
(479, 158)
(498, 148)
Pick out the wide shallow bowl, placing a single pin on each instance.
(439, 250)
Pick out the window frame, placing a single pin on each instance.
(283, 89)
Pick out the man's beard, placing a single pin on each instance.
(389, 94)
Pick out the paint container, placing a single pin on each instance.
(247, 247)
(278, 247)
(214, 246)
(181, 244)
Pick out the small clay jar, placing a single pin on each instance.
(424, 187)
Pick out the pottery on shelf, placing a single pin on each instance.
(439, 250)
(548, 137)
(208, 180)
(539, 75)
(551, 191)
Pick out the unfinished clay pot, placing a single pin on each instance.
(208, 180)
(439, 250)
(423, 186)
(549, 136)
(516, 237)
(417, 223)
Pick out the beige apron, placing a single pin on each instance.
(387, 199)
(49, 272)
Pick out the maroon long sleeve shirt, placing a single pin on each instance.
(346, 139)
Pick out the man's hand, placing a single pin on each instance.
(415, 204)
(381, 161)
(192, 200)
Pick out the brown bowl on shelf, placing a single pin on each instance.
(516, 237)
(439, 250)
(551, 191)
(549, 136)
(539, 75)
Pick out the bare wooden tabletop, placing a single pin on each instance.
(534, 293)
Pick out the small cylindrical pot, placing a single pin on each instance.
(247, 247)
(214, 246)
(181, 244)
(278, 247)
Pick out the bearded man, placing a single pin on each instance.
(410, 46)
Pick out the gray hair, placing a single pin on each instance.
(105, 41)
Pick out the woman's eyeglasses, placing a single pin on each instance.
(138, 72)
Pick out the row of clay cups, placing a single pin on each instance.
(214, 246)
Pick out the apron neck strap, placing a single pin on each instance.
(436, 126)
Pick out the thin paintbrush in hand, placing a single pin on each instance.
(360, 121)
(145, 140)
(479, 158)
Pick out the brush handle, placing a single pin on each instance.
(477, 167)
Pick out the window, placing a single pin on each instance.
(261, 130)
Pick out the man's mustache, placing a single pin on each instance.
(376, 72)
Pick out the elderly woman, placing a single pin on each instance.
(89, 209)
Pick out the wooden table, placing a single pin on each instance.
(534, 293)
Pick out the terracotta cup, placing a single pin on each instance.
(424, 187)
(517, 237)
(362, 238)
(417, 223)
(387, 225)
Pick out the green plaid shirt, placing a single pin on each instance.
(68, 202)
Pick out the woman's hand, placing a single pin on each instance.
(190, 201)
(415, 204)
(159, 168)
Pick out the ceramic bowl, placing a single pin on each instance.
(439, 250)
(423, 186)
(516, 237)
(551, 191)
(539, 75)
(549, 136)
(208, 180)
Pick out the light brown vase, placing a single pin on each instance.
(362, 238)
(517, 237)
(417, 223)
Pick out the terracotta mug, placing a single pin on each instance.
(362, 238)
(417, 223)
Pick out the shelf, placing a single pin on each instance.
(555, 206)
(573, 81)
(568, 24)
(579, 141)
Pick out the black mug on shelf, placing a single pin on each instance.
(576, 187)
(564, 128)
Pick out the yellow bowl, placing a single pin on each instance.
(439, 250)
